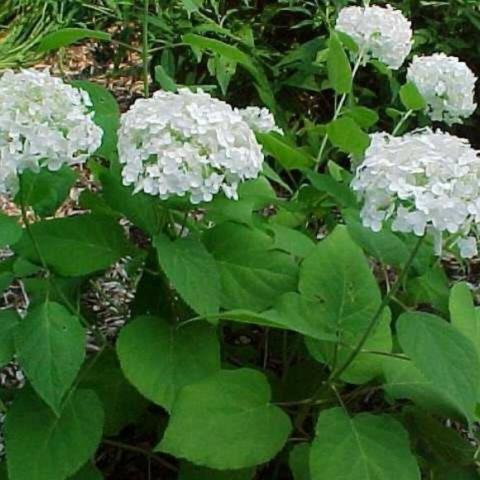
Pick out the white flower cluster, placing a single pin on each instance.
(446, 84)
(43, 123)
(186, 143)
(381, 33)
(259, 119)
(423, 180)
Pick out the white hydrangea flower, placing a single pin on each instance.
(186, 143)
(259, 119)
(380, 32)
(43, 123)
(446, 84)
(422, 181)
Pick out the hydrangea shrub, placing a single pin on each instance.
(291, 317)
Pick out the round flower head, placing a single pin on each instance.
(423, 180)
(259, 119)
(446, 84)
(44, 122)
(186, 143)
(381, 33)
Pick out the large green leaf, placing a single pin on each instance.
(299, 461)
(363, 447)
(463, 313)
(43, 446)
(289, 156)
(366, 365)
(107, 116)
(45, 191)
(122, 403)
(140, 208)
(404, 381)
(191, 270)
(252, 274)
(346, 134)
(384, 245)
(159, 359)
(337, 273)
(226, 422)
(10, 231)
(76, 246)
(67, 36)
(50, 345)
(338, 66)
(9, 320)
(444, 356)
(411, 98)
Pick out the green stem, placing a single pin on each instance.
(145, 49)
(404, 118)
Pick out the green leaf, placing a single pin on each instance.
(192, 271)
(289, 156)
(252, 275)
(299, 461)
(411, 98)
(404, 381)
(192, 5)
(46, 191)
(9, 320)
(122, 403)
(365, 117)
(444, 356)
(384, 245)
(164, 79)
(231, 409)
(193, 472)
(291, 241)
(10, 231)
(50, 344)
(140, 208)
(43, 446)
(67, 36)
(88, 472)
(431, 288)
(442, 444)
(236, 55)
(338, 274)
(6, 278)
(463, 313)
(338, 66)
(107, 116)
(159, 359)
(366, 366)
(363, 447)
(340, 192)
(78, 245)
(345, 134)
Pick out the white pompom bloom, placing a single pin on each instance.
(44, 122)
(380, 32)
(186, 143)
(446, 84)
(259, 119)
(422, 181)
